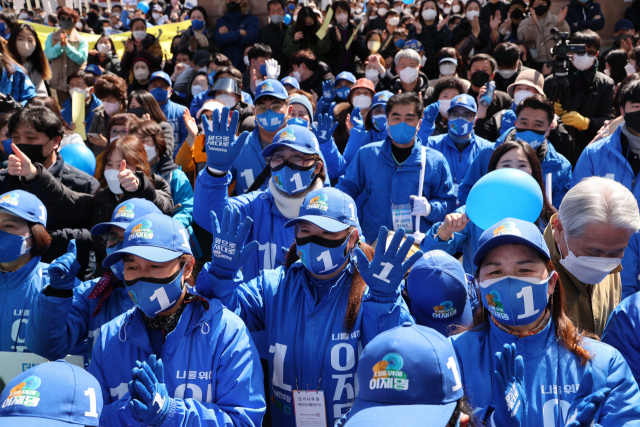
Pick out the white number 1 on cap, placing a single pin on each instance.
(186, 239)
(353, 212)
(92, 403)
(451, 364)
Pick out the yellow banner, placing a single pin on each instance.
(164, 34)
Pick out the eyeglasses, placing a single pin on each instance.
(111, 239)
(122, 133)
(262, 108)
(295, 162)
(466, 116)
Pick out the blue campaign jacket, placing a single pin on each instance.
(623, 332)
(552, 376)
(61, 325)
(232, 43)
(337, 163)
(211, 368)
(18, 85)
(375, 174)
(554, 163)
(307, 339)
(174, 114)
(182, 194)
(88, 112)
(18, 291)
(458, 162)
(630, 274)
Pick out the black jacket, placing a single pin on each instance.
(321, 73)
(594, 102)
(582, 16)
(358, 51)
(73, 178)
(273, 36)
(501, 101)
(489, 10)
(502, 83)
(84, 248)
(421, 88)
(111, 63)
(633, 15)
(376, 23)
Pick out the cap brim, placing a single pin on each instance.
(268, 151)
(275, 95)
(513, 85)
(36, 421)
(329, 224)
(150, 253)
(506, 239)
(374, 414)
(17, 212)
(104, 227)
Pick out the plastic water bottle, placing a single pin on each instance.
(488, 96)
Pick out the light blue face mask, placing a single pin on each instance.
(460, 127)
(534, 138)
(12, 246)
(6, 146)
(293, 180)
(343, 92)
(298, 121)
(270, 121)
(153, 296)
(402, 133)
(118, 268)
(379, 122)
(159, 94)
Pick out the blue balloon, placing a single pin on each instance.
(504, 193)
(287, 19)
(143, 6)
(407, 1)
(79, 156)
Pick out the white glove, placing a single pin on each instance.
(421, 206)
(273, 69)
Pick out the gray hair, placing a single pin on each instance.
(598, 200)
(407, 53)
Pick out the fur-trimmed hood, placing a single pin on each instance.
(244, 7)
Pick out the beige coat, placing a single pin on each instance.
(533, 36)
(62, 66)
(588, 306)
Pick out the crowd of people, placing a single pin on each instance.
(282, 228)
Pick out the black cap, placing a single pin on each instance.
(201, 58)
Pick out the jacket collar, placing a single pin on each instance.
(551, 161)
(615, 147)
(533, 346)
(413, 162)
(56, 168)
(21, 276)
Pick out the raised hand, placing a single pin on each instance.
(20, 165)
(128, 180)
(273, 69)
(356, 119)
(190, 123)
(386, 271)
(153, 402)
(453, 223)
(431, 112)
(229, 252)
(585, 405)
(325, 128)
(63, 270)
(508, 390)
(442, 23)
(327, 90)
(223, 148)
(562, 15)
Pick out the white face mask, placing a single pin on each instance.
(362, 101)
(447, 68)
(79, 25)
(382, 11)
(104, 48)
(111, 175)
(139, 35)
(407, 11)
(141, 74)
(23, 16)
(408, 75)
(196, 90)
(151, 151)
(111, 107)
(227, 100)
(446, 10)
(83, 91)
(507, 74)
(583, 61)
(630, 68)
(296, 75)
(342, 18)
(423, 60)
(472, 14)
(25, 49)
(246, 61)
(429, 14)
(589, 269)
(455, 8)
(394, 21)
(372, 75)
(520, 95)
(398, 8)
(156, 15)
(444, 107)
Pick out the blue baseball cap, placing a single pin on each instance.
(290, 81)
(270, 87)
(93, 69)
(406, 378)
(125, 213)
(440, 292)
(154, 237)
(381, 98)
(623, 24)
(25, 205)
(329, 209)
(294, 136)
(345, 75)
(465, 101)
(510, 231)
(160, 75)
(413, 44)
(52, 394)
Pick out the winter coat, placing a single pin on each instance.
(232, 43)
(36, 79)
(17, 84)
(633, 14)
(357, 52)
(321, 48)
(623, 332)
(151, 51)
(273, 36)
(314, 82)
(421, 87)
(65, 61)
(110, 63)
(18, 291)
(432, 41)
(537, 36)
(73, 178)
(582, 16)
(173, 112)
(630, 274)
(187, 36)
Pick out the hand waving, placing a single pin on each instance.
(229, 253)
(508, 388)
(223, 148)
(325, 128)
(327, 90)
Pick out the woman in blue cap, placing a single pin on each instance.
(523, 327)
(319, 309)
(193, 361)
(23, 240)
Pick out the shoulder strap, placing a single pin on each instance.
(260, 179)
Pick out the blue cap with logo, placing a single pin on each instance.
(345, 75)
(510, 231)
(154, 237)
(270, 87)
(160, 75)
(296, 137)
(290, 81)
(93, 69)
(408, 376)
(465, 101)
(329, 209)
(381, 98)
(126, 212)
(52, 394)
(25, 205)
(441, 294)
(413, 44)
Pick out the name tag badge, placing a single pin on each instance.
(309, 408)
(401, 215)
(455, 189)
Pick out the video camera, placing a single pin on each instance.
(561, 52)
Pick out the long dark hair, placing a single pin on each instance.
(38, 59)
(307, 42)
(147, 100)
(7, 62)
(132, 151)
(421, 19)
(357, 283)
(536, 172)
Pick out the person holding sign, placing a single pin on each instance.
(524, 310)
(171, 330)
(302, 36)
(81, 82)
(319, 309)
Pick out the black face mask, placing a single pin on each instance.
(541, 10)
(35, 153)
(320, 241)
(233, 7)
(66, 25)
(93, 15)
(162, 281)
(517, 14)
(480, 78)
(138, 111)
(632, 120)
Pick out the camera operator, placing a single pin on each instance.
(591, 92)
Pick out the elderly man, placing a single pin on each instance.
(587, 239)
